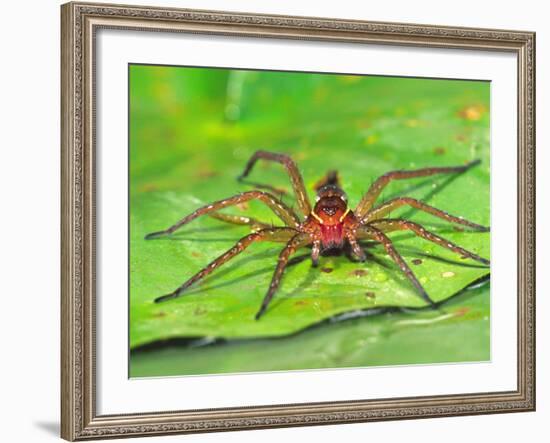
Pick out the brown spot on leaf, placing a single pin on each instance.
(461, 138)
(439, 150)
(148, 187)
(472, 112)
(207, 173)
(417, 261)
(370, 294)
(300, 303)
(199, 311)
(461, 311)
(196, 254)
(242, 206)
(159, 314)
(327, 270)
(360, 272)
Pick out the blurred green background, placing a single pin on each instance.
(192, 131)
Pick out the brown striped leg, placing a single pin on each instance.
(356, 248)
(315, 252)
(295, 242)
(240, 220)
(376, 234)
(293, 172)
(278, 207)
(272, 234)
(388, 225)
(376, 188)
(389, 206)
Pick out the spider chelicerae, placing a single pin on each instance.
(329, 225)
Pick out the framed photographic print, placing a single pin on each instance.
(284, 221)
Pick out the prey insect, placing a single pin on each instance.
(327, 225)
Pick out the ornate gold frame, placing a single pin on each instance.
(79, 420)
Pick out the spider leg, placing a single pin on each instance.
(356, 248)
(293, 172)
(315, 252)
(272, 234)
(240, 220)
(376, 188)
(397, 224)
(385, 208)
(368, 231)
(294, 243)
(278, 207)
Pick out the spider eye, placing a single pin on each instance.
(343, 197)
(317, 198)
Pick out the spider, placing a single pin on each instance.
(329, 225)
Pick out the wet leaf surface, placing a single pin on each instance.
(191, 133)
(459, 333)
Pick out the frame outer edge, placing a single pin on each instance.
(533, 132)
(526, 220)
(530, 225)
(78, 420)
(67, 218)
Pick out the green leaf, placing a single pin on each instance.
(460, 333)
(188, 142)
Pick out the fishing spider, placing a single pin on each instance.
(329, 225)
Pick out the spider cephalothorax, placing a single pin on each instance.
(330, 224)
(329, 214)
